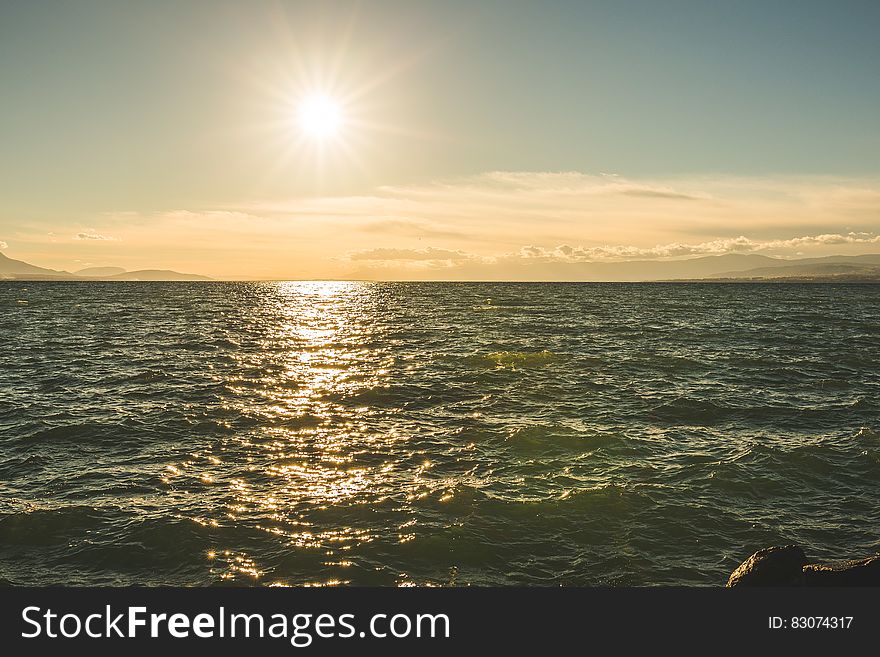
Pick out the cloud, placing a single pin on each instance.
(94, 236)
(210, 215)
(659, 193)
(502, 220)
(575, 183)
(428, 254)
(506, 209)
(408, 227)
(741, 244)
(515, 262)
(3, 245)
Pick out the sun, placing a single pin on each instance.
(319, 116)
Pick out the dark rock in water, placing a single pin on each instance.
(788, 566)
(773, 566)
(863, 572)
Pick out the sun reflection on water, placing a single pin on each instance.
(316, 472)
(310, 457)
(379, 434)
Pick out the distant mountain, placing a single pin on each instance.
(828, 271)
(99, 271)
(733, 266)
(866, 259)
(624, 271)
(799, 270)
(702, 267)
(10, 268)
(120, 274)
(705, 267)
(23, 271)
(155, 275)
(863, 267)
(644, 270)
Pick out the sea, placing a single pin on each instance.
(432, 434)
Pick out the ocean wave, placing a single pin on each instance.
(556, 437)
(49, 526)
(146, 376)
(501, 359)
(691, 410)
(867, 433)
(521, 359)
(519, 434)
(79, 434)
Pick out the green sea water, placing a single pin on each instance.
(432, 433)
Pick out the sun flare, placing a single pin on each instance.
(319, 117)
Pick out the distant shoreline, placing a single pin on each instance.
(731, 268)
(683, 281)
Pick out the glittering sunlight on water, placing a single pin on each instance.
(333, 433)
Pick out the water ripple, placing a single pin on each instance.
(432, 434)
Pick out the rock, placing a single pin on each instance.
(773, 566)
(863, 572)
(788, 566)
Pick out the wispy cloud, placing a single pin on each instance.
(95, 237)
(496, 219)
(565, 253)
(410, 228)
(429, 254)
(575, 183)
(741, 244)
(509, 208)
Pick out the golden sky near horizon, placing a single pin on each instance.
(432, 140)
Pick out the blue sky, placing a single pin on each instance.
(167, 128)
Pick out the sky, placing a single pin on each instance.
(474, 139)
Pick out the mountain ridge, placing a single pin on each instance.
(19, 270)
(732, 266)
